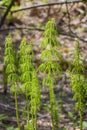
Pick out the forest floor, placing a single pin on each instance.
(70, 25)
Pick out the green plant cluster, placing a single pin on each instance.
(50, 66)
(79, 82)
(19, 69)
(10, 70)
(30, 83)
(21, 75)
(10, 63)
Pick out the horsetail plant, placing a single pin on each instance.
(50, 66)
(35, 98)
(11, 71)
(30, 83)
(78, 82)
(25, 69)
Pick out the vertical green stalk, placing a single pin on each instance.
(80, 100)
(53, 109)
(27, 107)
(10, 61)
(35, 99)
(34, 120)
(5, 79)
(78, 82)
(17, 113)
(25, 69)
(30, 83)
(81, 120)
(50, 67)
(51, 106)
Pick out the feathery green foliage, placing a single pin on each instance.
(25, 73)
(10, 71)
(30, 83)
(35, 98)
(25, 62)
(78, 82)
(19, 69)
(50, 66)
(10, 61)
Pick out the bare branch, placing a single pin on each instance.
(21, 28)
(3, 7)
(72, 35)
(44, 5)
(68, 16)
(6, 13)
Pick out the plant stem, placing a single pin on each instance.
(5, 79)
(34, 120)
(27, 106)
(51, 110)
(51, 106)
(80, 113)
(17, 113)
(27, 109)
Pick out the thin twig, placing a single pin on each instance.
(8, 107)
(73, 35)
(69, 18)
(21, 28)
(3, 7)
(44, 5)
